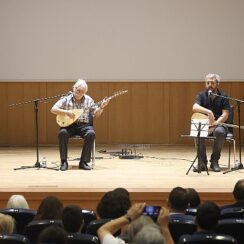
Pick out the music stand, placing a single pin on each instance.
(199, 129)
(37, 165)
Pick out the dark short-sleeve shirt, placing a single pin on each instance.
(216, 105)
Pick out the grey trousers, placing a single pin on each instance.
(220, 133)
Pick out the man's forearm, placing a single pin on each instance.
(112, 227)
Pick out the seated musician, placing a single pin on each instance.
(217, 110)
(81, 126)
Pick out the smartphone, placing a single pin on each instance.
(152, 211)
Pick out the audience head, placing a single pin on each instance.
(193, 198)
(207, 215)
(149, 234)
(113, 204)
(50, 208)
(17, 201)
(7, 224)
(53, 234)
(122, 191)
(238, 191)
(72, 219)
(136, 225)
(178, 200)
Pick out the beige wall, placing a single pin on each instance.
(121, 39)
(151, 112)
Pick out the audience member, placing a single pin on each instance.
(238, 194)
(50, 208)
(124, 195)
(113, 204)
(207, 217)
(178, 203)
(17, 201)
(7, 224)
(137, 225)
(193, 198)
(135, 221)
(72, 219)
(53, 234)
(149, 234)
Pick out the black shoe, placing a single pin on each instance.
(64, 166)
(215, 167)
(202, 168)
(84, 165)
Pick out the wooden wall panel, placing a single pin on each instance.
(4, 113)
(150, 113)
(89, 200)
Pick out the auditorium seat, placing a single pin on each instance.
(82, 239)
(191, 211)
(179, 227)
(34, 228)
(88, 216)
(232, 212)
(207, 238)
(13, 239)
(233, 227)
(94, 225)
(22, 217)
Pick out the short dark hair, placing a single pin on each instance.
(193, 198)
(53, 234)
(178, 199)
(238, 191)
(114, 204)
(50, 208)
(72, 218)
(207, 215)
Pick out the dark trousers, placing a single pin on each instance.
(86, 131)
(220, 133)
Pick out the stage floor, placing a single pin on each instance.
(160, 169)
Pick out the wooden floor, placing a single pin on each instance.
(148, 179)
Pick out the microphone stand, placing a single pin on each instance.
(37, 165)
(238, 103)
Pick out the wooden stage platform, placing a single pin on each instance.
(148, 179)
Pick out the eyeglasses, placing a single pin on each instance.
(212, 82)
(79, 90)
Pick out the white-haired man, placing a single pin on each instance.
(217, 110)
(82, 126)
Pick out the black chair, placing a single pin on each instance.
(34, 228)
(179, 227)
(82, 239)
(13, 239)
(94, 225)
(235, 212)
(191, 211)
(88, 216)
(22, 217)
(207, 238)
(232, 227)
